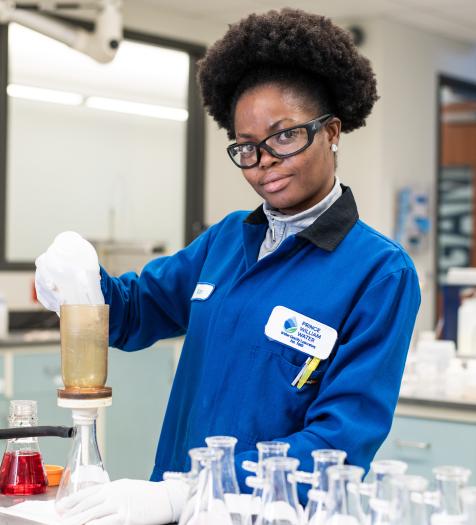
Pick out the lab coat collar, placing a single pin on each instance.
(330, 228)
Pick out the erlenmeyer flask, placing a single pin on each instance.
(229, 482)
(468, 500)
(189, 477)
(316, 508)
(85, 467)
(449, 481)
(383, 471)
(407, 502)
(266, 449)
(206, 504)
(379, 488)
(323, 458)
(343, 499)
(22, 472)
(280, 505)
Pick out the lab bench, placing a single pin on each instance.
(430, 432)
(7, 501)
(128, 431)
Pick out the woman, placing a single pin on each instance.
(297, 316)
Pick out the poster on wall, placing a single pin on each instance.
(455, 219)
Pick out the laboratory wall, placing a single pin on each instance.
(397, 147)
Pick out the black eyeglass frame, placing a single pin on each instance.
(312, 127)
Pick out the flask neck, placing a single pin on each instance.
(23, 420)
(281, 480)
(228, 472)
(270, 449)
(344, 491)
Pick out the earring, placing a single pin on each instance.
(334, 147)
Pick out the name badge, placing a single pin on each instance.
(300, 332)
(202, 291)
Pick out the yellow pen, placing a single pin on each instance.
(311, 366)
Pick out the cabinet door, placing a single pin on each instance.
(426, 443)
(141, 383)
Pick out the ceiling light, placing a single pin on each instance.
(44, 95)
(137, 108)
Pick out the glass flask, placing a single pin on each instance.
(407, 505)
(383, 471)
(316, 508)
(84, 345)
(22, 471)
(229, 482)
(266, 449)
(206, 503)
(343, 499)
(323, 458)
(85, 467)
(468, 500)
(280, 504)
(450, 480)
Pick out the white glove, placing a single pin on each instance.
(125, 502)
(68, 273)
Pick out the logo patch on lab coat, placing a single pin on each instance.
(202, 291)
(300, 332)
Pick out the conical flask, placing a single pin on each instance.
(407, 502)
(206, 504)
(316, 504)
(266, 449)
(343, 499)
(85, 467)
(280, 504)
(316, 508)
(383, 471)
(323, 458)
(231, 490)
(22, 472)
(450, 480)
(468, 499)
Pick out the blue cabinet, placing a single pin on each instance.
(141, 383)
(425, 443)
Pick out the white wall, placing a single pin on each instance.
(399, 145)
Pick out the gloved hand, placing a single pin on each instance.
(125, 502)
(68, 272)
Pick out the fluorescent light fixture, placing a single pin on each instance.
(137, 108)
(102, 103)
(44, 95)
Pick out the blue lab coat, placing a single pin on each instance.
(232, 379)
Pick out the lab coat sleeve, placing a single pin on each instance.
(155, 304)
(354, 406)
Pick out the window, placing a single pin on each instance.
(104, 150)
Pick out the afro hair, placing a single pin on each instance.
(288, 40)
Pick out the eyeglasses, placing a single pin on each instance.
(284, 143)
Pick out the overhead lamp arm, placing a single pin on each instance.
(100, 44)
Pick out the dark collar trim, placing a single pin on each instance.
(257, 216)
(330, 228)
